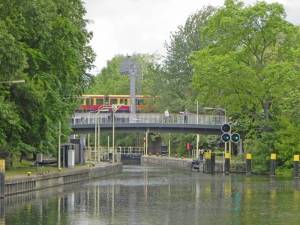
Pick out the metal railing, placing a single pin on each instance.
(148, 118)
(103, 153)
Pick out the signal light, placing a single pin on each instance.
(235, 137)
(225, 137)
(225, 128)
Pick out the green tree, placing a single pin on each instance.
(250, 67)
(177, 74)
(44, 42)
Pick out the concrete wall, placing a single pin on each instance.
(186, 164)
(21, 185)
(167, 162)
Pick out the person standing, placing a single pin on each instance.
(185, 116)
(167, 115)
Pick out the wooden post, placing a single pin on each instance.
(2, 178)
(296, 166)
(248, 163)
(227, 163)
(273, 164)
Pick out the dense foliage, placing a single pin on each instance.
(244, 59)
(250, 66)
(177, 91)
(171, 80)
(44, 42)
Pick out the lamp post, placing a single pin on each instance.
(114, 109)
(97, 134)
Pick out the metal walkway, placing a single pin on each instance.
(86, 122)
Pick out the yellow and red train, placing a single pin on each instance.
(123, 102)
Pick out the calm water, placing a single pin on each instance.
(151, 195)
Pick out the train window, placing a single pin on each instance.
(89, 101)
(139, 101)
(99, 101)
(113, 101)
(106, 100)
(125, 101)
(121, 101)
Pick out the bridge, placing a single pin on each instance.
(191, 123)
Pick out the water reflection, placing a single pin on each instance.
(151, 195)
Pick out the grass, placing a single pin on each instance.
(23, 171)
(27, 168)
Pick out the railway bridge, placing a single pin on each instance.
(154, 122)
(87, 123)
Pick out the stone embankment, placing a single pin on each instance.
(31, 183)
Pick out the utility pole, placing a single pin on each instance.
(99, 147)
(95, 144)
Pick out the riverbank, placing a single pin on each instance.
(21, 184)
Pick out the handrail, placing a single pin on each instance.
(148, 118)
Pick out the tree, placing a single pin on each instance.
(45, 43)
(250, 67)
(178, 71)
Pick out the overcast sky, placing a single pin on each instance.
(143, 26)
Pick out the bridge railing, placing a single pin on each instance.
(155, 118)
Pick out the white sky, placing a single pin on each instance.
(143, 26)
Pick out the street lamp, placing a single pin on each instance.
(97, 133)
(114, 109)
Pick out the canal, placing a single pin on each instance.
(153, 195)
